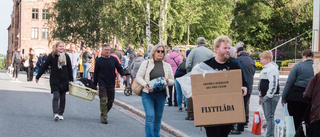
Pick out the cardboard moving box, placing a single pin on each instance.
(217, 98)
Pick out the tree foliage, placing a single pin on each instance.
(264, 24)
(261, 24)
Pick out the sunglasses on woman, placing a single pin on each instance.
(158, 51)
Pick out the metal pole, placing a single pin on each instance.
(295, 51)
(275, 55)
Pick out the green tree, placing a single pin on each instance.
(77, 20)
(265, 24)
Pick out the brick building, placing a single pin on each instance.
(28, 27)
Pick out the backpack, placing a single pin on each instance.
(182, 66)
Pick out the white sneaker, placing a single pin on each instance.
(17, 79)
(13, 79)
(56, 117)
(60, 117)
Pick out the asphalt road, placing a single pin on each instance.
(26, 111)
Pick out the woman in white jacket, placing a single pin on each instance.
(153, 100)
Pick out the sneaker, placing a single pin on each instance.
(175, 104)
(246, 126)
(56, 117)
(170, 104)
(13, 79)
(60, 117)
(180, 109)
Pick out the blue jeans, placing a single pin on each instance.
(153, 104)
(179, 93)
(86, 68)
(74, 73)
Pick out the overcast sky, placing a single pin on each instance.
(6, 10)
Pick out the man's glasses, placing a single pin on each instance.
(158, 51)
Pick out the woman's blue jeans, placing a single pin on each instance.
(179, 93)
(153, 104)
(86, 68)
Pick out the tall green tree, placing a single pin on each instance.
(265, 24)
(77, 20)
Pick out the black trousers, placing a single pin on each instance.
(297, 110)
(218, 131)
(16, 68)
(240, 126)
(315, 132)
(30, 73)
(170, 95)
(58, 102)
(190, 107)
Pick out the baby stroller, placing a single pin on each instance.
(127, 90)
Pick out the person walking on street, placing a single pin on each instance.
(269, 89)
(86, 62)
(312, 96)
(137, 63)
(32, 60)
(296, 84)
(105, 76)
(16, 59)
(75, 60)
(153, 100)
(118, 52)
(181, 71)
(197, 55)
(60, 77)
(223, 62)
(174, 59)
(131, 54)
(248, 66)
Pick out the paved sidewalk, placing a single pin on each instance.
(174, 120)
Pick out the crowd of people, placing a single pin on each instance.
(107, 66)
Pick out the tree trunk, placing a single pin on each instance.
(163, 21)
(188, 34)
(148, 33)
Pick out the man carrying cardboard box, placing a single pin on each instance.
(223, 62)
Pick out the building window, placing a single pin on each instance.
(45, 14)
(12, 38)
(45, 33)
(35, 13)
(34, 33)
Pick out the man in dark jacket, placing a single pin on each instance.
(104, 74)
(248, 66)
(223, 62)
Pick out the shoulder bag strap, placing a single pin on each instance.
(175, 62)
